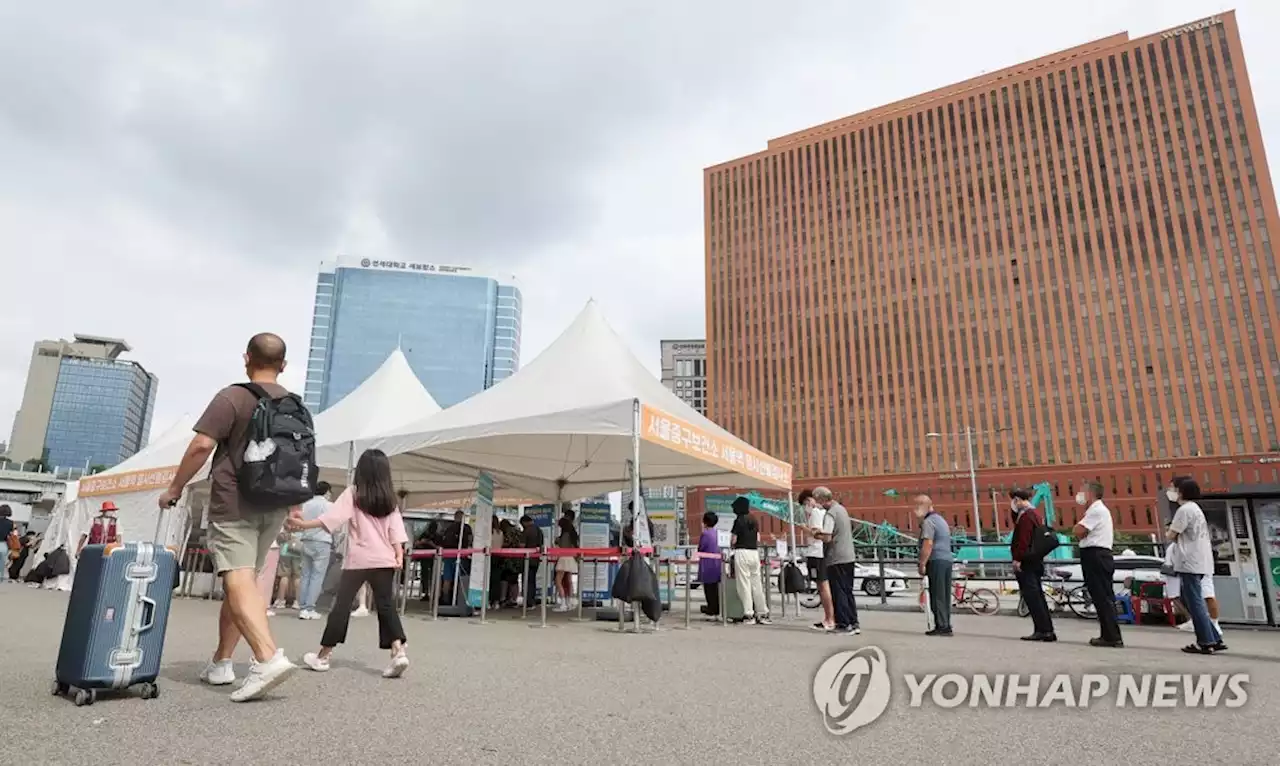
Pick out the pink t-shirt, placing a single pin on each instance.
(371, 542)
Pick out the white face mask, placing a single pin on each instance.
(1081, 498)
(1172, 494)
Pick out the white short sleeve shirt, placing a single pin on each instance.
(1097, 519)
(1192, 552)
(817, 515)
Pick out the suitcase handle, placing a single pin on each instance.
(146, 616)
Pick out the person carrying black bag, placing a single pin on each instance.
(1027, 551)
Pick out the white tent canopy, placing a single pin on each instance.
(387, 400)
(135, 486)
(563, 427)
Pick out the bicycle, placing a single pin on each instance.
(981, 601)
(1059, 595)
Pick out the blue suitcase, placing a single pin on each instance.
(116, 619)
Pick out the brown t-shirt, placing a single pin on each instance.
(227, 420)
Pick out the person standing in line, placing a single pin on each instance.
(1030, 570)
(287, 572)
(497, 564)
(240, 534)
(7, 530)
(456, 537)
(745, 541)
(936, 561)
(710, 570)
(376, 540)
(566, 566)
(1173, 586)
(1097, 562)
(533, 538)
(840, 555)
(315, 546)
(1192, 559)
(815, 558)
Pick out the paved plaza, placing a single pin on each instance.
(504, 693)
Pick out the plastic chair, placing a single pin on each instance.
(1151, 595)
(1124, 609)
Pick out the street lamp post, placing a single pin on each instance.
(968, 434)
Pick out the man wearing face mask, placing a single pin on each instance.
(1030, 571)
(1192, 559)
(936, 560)
(1096, 535)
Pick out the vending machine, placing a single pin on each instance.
(1266, 522)
(1238, 563)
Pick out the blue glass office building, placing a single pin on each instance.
(460, 331)
(101, 412)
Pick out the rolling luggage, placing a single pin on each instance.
(114, 631)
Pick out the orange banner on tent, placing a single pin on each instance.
(132, 481)
(671, 432)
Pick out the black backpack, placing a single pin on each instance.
(287, 475)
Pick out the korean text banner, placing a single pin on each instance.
(662, 428)
(132, 481)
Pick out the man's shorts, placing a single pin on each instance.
(290, 566)
(243, 543)
(817, 568)
(1173, 586)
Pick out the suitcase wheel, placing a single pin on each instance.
(150, 691)
(57, 689)
(85, 697)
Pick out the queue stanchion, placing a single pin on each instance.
(724, 588)
(404, 584)
(671, 586)
(542, 600)
(577, 586)
(484, 585)
(527, 587)
(884, 589)
(766, 574)
(582, 565)
(435, 585)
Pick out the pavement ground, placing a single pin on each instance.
(580, 693)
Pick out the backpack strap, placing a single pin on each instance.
(255, 389)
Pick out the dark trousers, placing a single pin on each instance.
(1098, 567)
(841, 577)
(939, 574)
(329, 590)
(382, 583)
(1031, 586)
(533, 592)
(712, 590)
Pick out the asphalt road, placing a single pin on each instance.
(575, 693)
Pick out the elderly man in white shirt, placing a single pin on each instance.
(1191, 555)
(1097, 534)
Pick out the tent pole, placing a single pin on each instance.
(635, 490)
(791, 505)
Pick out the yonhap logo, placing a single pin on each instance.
(851, 689)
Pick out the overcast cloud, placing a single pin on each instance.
(172, 173)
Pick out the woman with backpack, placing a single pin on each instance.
(376, 541)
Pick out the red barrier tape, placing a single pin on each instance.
(556, 553)
(445, 554)
(515, 553)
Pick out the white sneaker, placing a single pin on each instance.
(399, 664)
(361, 612)
(271, 612)
(1187, 627)
(308, 614)
(313, 661)
(278, 605)
(1219, 627)
(263, 677)
(219, 673)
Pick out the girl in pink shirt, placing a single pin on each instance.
(375, 553)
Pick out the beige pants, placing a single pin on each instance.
(746, 564)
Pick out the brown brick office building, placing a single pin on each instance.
(1072, 256)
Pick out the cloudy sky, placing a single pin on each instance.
(172, 173)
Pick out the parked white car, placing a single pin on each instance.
(1140, 567)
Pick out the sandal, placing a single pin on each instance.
(1197, 649)
(1218, 647)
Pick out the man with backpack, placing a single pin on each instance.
(262, 443)
(1027, 551)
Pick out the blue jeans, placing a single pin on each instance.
(1193, 599)
(314, 564)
